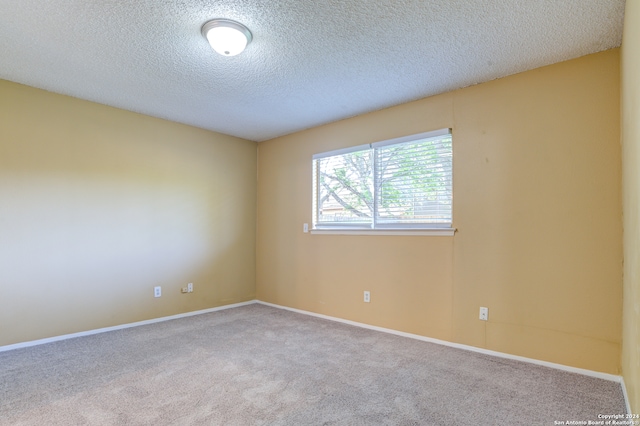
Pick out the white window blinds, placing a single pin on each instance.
(414, 182)
(344, 188)
(401, 183)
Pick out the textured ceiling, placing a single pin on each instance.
(310, 62)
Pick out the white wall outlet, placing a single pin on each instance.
(190, 287)
(367, 297)
(157, 291)
(305, 227)
(484, 314)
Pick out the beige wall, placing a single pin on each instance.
(630, 89)
(537, 204)
(99, 205)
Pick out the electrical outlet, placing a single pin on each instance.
(484, 314)
(157, 291)
(190, 287)
(305, 227)
(367, 297)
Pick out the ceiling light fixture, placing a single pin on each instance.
(227, 37)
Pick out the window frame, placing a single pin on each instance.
(370, 228)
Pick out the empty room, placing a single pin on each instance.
(306, 213)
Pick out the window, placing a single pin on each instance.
(403, 183)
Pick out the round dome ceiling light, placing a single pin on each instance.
(226, 37)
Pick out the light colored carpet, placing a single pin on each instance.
(258, 365)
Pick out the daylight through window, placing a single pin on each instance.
(403, 183)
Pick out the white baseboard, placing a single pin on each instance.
(626, 396)
(591, 373)
(119, 327)
(596, 374)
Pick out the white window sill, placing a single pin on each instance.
(436, 232)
